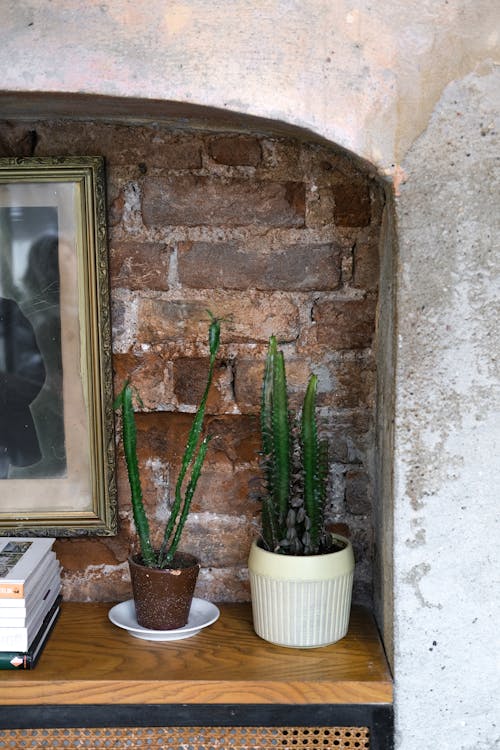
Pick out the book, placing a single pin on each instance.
(34, 587)
(19, 560)
(18, 617)
(28, 659)
(21, 638)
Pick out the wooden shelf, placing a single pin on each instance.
(90, 661)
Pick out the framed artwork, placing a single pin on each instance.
(56, 401)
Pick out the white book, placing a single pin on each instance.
(34, 586)
(28, 659)
(20, 557)
(19, 639)
(19, 617)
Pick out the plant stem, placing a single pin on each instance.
(310, 452)
(281, 437)
(180, 507)
(130, 448)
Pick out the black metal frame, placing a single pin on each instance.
(377, 717)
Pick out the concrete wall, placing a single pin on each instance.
(412, 89)
(447, 436)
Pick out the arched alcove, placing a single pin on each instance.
(277, 231)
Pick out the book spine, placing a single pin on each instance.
(14, 660)
(21, 558)
(24, 620)
(47, 569)
(28, 659)
(19, 639)
(13, 622)
(11, 590)
(16, 640)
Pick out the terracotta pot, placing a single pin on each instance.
(163, 596)
(301, 602)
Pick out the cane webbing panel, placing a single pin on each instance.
(188, 738)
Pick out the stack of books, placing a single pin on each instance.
(30, 597)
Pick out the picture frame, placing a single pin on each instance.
(57, 447)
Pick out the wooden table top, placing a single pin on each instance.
(88, 660)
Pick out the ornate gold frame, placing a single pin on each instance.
(81, 498)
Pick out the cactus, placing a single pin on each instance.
(295, 462)
(193, 458)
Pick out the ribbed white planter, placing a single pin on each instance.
(301, 602)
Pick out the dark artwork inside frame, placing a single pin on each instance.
(32, 443)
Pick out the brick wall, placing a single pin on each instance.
(276, 237)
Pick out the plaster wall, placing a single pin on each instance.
(363, 75)
(447, 432)
(411, 88)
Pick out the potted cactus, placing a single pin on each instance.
(300, 574)
(164, 579)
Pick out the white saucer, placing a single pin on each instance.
(201, 615)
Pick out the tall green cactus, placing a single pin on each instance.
(193, 458)
(315, 461)
(275, 443)
(295, 465)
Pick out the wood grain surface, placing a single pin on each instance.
(90, 661)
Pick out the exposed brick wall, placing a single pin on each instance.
(272, 235)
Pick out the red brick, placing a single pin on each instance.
(140, 265)
(362, 544)
(163, 436)
(348, 324)
(112, 584)
(118, 317)
(347, 263)
(116, 206)
(190, 200)
(357, 497)
(320, 207)
(247, 318)
(150, 373)
(160, 152)
(155, 488)
(121, 144)
(352, 203)
(219, 544)
(352, 384)
(164, 320)
(224, 584)
(190, 376)
(17, 139)
(76, 554)
(93, 570)
(223, 489)
(350, 435)
(97, 583)
(242, 150)
(305, 267)
(248, 382)
(366, 263)
(235, 439)
(283, 156)
(339, 528)
(226, 489)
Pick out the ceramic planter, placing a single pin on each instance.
(163, 596)
(301, 602)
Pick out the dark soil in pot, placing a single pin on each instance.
(163, 596)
